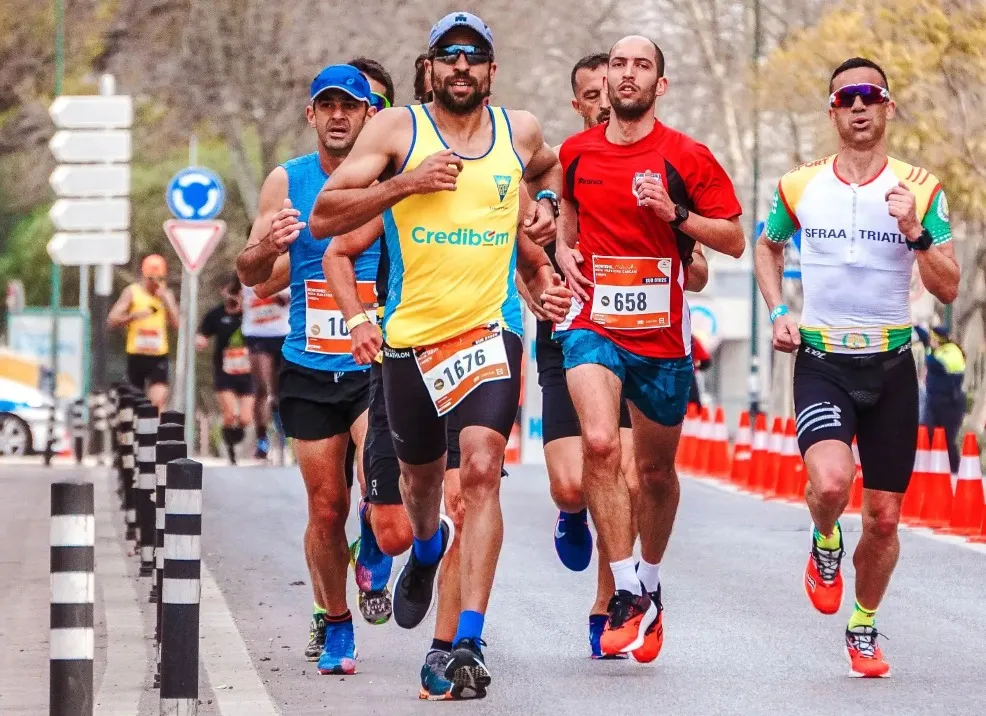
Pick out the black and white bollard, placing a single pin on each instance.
(98, 426)
(147, 422)
(128, 463)
(182, 589)
(78, 422)
(73, 558)
(112, 422)
(167, 450)
(170, 446)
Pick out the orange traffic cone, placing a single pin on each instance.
(704, 448)
(910, 511)
(855, 505)
(967, 507)
(759, 455)
(739, 473)
(512, 453)
(686, 446)
(719, 459)
(788, 478)
(775, 445)
(936, 507)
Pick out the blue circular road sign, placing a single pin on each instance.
(195, 194)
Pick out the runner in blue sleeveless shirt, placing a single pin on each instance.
(323, 392)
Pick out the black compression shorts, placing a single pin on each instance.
(419, 433)
(558, 416)
(316, 404)
(380, 464)
(872, 397)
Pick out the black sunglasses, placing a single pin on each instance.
(449, 54)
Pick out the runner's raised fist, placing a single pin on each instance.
(437, 172)
(285, 227)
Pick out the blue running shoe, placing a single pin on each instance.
(339, 654)
(372, 568)
(573, 540)
(263, 448)
(597, 623)
(434, 685)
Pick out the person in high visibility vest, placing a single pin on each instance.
(147, 309)
(946, 402)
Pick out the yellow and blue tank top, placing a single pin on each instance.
(453, 254)
(305, 180)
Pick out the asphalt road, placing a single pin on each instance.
(741, 637)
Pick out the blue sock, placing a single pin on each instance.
(470, 626)
(427, 551)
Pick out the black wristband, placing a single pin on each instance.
(923, 243)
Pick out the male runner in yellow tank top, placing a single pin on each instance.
(147, 309)
(452, 328)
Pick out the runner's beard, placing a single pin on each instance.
(460, 105)
(632, 108)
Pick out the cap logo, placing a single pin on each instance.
(461, 18)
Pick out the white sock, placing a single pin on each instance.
(625, 575)
(649, 575)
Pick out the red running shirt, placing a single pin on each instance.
(634, 257)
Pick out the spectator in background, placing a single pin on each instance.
(946, 401)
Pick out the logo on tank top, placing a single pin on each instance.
(502, 185)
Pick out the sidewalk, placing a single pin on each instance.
(124, 628)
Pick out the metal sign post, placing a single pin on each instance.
(195, 197)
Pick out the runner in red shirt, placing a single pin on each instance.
(637, 196)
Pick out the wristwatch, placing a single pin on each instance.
(551, 197)
(680, 215)
(923, 243)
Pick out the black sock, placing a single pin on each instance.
(439, 645)
(261, 432)
(346, 617)
(229, 437)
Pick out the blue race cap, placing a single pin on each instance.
(460, 19)
(345, 78)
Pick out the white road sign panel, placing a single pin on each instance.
(92, 112)
(90, 248)
(194, 241)
(111, 145)
(90, 214)
(91, 180)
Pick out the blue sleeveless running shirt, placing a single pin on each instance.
(305, 180)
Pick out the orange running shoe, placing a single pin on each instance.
(654, 637)
(823, 577)
(630, 616)
(864, 655)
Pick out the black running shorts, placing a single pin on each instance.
(316, 404)
(144, 371)
(558, 416)
(242, 385)
(419, 433)
(872, 397)
(380, 464)
(265, 344)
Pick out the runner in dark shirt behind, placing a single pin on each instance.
(230, 364)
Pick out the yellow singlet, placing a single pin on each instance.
(453, 254)
(147, 336)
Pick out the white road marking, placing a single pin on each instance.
(226, 658)
(128, 653)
